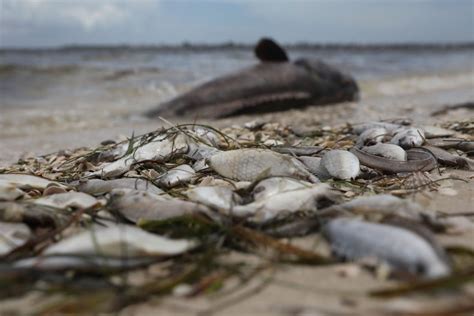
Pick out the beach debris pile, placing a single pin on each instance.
(174, 203)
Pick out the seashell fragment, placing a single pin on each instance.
(99, 187)
(389, 151)
(341, 164)
(250, 164)
(177, 175)
(408, 137)
(12, 235)
(398, 247)
(66, 200)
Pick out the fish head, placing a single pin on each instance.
(340, 83)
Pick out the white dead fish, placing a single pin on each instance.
(221, 198)
(308, 199)
(25, 181)
(12, 235)
(313, 164)
(66, 200)
(9, 192)
(100, 187)
(101, 245)
(341, 164)
(389, 127)
(408, 137)
(177, 175)
(138, 205)
(398, 247)
(157, 150)
(199, 151)
(250, 164)
(390, 151)
(435, 131)
(276, 185)
(371, 136)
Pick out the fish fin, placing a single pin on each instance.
(268, 50)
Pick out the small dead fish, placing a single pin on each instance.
(308, 199)
(177, 175)
(398, 247)
(435, 131)
(446, 158)
(67, 200)
(389, 127)
(117, 245)
(100, 187)
(341, 164)
(159, 150)
(408, 137)
(298, 150)
(25, 181)
(313, 164)
(220, 198)
(31, 214)
(9, 192)
(372, 136)
(389, 151)
(447, 143)
(251, 164)
(12, 235)
(276, 185)
(138, 205)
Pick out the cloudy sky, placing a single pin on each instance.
(30, 23)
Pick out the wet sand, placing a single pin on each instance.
(286, 290)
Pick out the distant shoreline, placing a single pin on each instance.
(237, 46)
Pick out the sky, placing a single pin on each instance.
(46, 23)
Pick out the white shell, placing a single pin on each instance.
(69, 199)
(250, 164)
(390, 151)
(177, 175)
(341, 164)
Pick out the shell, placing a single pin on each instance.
(66, 200)
(177, 175)
(390, 151)
(250, 164)
(341, 164)
(408, 137)
(400, 248)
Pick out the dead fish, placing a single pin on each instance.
(138, 205)
(199, 151)
(398, 247)
(100, 187)
(418, 159)
(308, 199)
(12, 235)
(276, 185)
(389, 151)
(25, 181)
(313, 164)
(362, 127)
(31, 214)
(435, 131)
(221, 198)
(66, 200)
(158, 150)
(9, 192)
(372, 136)
(99, 246)
(447, 143)
(341, 164)
(408, 137)
(298, 150)
(177, 175)
(250, 164)
(446, 158)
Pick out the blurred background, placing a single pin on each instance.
(67, 66)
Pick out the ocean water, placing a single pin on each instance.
(144, 76)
